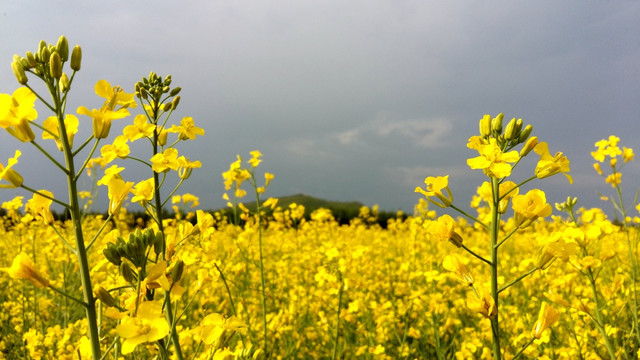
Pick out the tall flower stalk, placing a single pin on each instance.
(497, 159)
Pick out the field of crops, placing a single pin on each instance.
(509, 278)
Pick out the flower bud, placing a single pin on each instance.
(496, 124)
(167, 107)
(512, 131)
(13, 177)
(112, 254)
(18, 71)
(127, 273)
(165, 89)
(62, 47)
(45, 54)
(177, 271)
(106, 297)
(175, 102)
(76, 58)
(524, 135)
(55, 65)
(64, 83)
(175, 91)
(485, 126)
(41, 46)
(31, 59)
(528, 146)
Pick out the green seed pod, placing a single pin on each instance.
(62, 47)
(106, 297)
(112, 254)
(167, 107)
(175, 91)
(18, 71)
(177, 271)
(524, 135)
(76, 58)
(496, 124)
(127, 273)
(158, 244)
(55, 65)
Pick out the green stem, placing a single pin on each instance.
(67, 295)
(262, 281)
(600, 323)
(336, 337)
(474, 254)
(517, 355)
(507, 237)
(495, 224)
(54, 161)
(469, 216)
(531, 271)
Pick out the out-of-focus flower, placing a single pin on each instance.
(39, 206)
(455, 265)
(444, 229)
(23, 268)
(10, 175)
(546, 317)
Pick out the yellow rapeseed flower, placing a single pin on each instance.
(434, 188)
(530, 206)
(550, 165)
(118, 191)
(546, 317)
(492, 160)
(216, 329)
(23, 268)
(453, 263)
(140, 128)
(627, 154)
(39, 206)
(10, 175)
(143, 191)
(444, 229)
(187, 129)
(16, 112)
(148, 325)
(118, 149)
(255, 158)
(53, 130)
(165, 161)
(614, 179)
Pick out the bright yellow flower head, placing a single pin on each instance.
(546, 317)
(216, 329)
(186, 167)
(118, 191)
(23, 268)
(493, 161)
(550, 165)
(607, 148)
(112, 172)
(16, 111)
(235, 174)
(255, 158)
(143, 191)
(444, 229)
(114, 96)
(530, 206)
(102, 119)
(614, 179)
(53, 130)
(148, 325)
(140, 128)
(434, 188)
(187, 129)
(165, 161)
(39, 206)
(118, 149)
(507, 190)
(10, 175)
(455, 265)
(627, 154)
(482, 303)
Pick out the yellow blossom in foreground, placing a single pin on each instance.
(114, 95)
(118, 149)
(434, 188)
(482, 302)
(23, 268)
(550, 165)
(143, 191)
(165, 161)
(217, 329)
(455, 265)
(530, 206)
(140, 128)
(16, 112)
(444, 229)
(118, 191)
(187, 129)
(185, 167)
(39, 206)
(148, 325)
(10, 175)
(53, 130)
(493, 161)
(547, 316)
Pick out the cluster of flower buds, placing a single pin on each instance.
(514, 133)
(135, 249)
(158, 91)
(47, 62)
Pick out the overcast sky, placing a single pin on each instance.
(353, 100)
